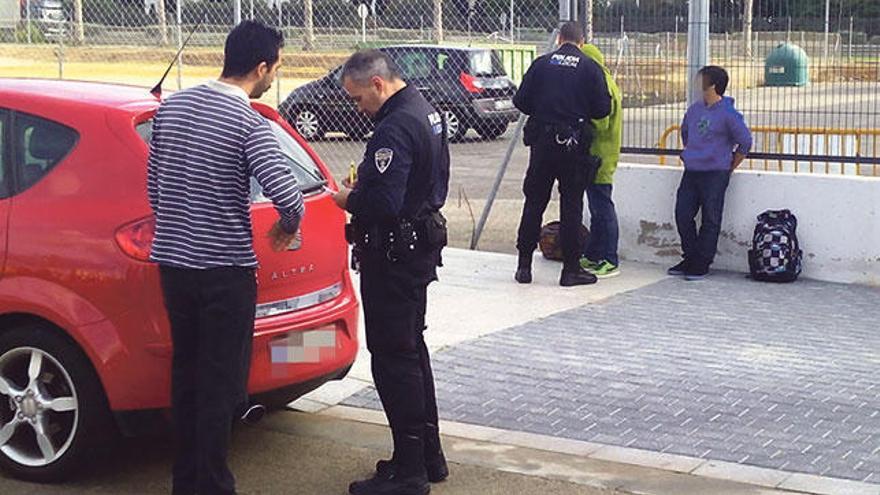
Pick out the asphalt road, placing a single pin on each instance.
(288, 453)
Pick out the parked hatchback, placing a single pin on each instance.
(84, 338)
(468, 85)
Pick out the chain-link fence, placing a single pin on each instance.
(806, 73)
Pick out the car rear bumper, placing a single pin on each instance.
(495, 109)
(318, 341)
(138, 377)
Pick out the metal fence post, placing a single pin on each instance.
(60, 49)
(827, 27)
(27, 7)
(179, 44)
(163, 22)
(588, 16)
(237, 12)
(850, 37)
(309, 21)
(78, 19)
(698, 44)
(748, 8)
(438, 21)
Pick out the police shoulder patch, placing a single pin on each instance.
(383, 158)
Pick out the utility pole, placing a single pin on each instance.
(698, 44)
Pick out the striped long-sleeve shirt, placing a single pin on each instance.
(207, 143)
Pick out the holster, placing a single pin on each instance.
(401, 239)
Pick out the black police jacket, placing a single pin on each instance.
(564, 87)
(405, 171)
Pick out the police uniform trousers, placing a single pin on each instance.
(549, 162)
(394, 296)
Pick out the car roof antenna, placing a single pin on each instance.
(157, 89)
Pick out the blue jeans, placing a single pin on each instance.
(701, 191)
(604, 230)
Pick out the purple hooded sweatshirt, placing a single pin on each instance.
(712, 134)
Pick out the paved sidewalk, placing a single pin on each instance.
(476, 296)
(777, 376)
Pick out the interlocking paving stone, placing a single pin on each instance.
(776, 376)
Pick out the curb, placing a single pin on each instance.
(702, 468)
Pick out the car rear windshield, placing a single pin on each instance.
(305, 170)
(486, 63)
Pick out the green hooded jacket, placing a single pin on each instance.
(608, 135)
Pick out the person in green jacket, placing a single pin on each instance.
(600, 256)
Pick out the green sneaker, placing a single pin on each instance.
(606, 270)
(589, 265)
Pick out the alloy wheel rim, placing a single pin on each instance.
(41, 418)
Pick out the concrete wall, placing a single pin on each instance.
(839, 219)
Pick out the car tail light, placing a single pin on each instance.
(136, 239)
(471, 83)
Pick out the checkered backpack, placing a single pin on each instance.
(776, 254)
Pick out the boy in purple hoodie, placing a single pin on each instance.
(716, 141)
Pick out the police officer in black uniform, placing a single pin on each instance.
(561, 92)
(398, 233)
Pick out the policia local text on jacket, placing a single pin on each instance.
(398, 234)
(561, 93)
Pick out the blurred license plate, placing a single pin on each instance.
(303, 347)
(503, 104)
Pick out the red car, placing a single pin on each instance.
(84, 338)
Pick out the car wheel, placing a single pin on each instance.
(307, 124)
(53, 412)
(493, 131)
(456, 128)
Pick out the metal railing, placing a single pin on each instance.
(803, 150)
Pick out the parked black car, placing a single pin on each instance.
(468, 85)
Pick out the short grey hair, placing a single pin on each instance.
(367, 64)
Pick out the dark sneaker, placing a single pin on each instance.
(437, 470)
(679, 269)
(574, 278)
(605, 269)
(391, 484)
(253, 414)
(696, 272)
(523, 275)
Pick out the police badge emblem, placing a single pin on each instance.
(383, 159)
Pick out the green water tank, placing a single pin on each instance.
(787, 65)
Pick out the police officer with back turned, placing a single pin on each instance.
(561, 93)
(398, 233)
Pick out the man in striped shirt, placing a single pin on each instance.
(207, 143)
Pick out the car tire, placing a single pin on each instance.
(53, 411)
(307, 123)
(456, 127)
(492, 131)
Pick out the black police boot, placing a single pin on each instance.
(524, 269)
(393, 481)
(435, 461)
(436, 468)
(574, 277)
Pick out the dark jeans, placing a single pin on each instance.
(394, 297)
(547, 164)
(604, 230)
(701, 192)
(212, 323)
